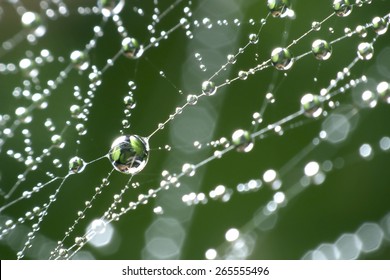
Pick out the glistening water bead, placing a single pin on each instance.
(80, 60)
(311, 105)
(110, 7)
(76, 165)
(342, 8)
(321, 49)
(365, 51)
(278, 8)
(242, 140)
(281, 59)
(131, 48)
(209, 88)
(129, 154)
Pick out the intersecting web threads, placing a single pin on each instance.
(194, 129)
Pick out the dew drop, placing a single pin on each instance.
(342, 8)
(361, 31)
(192, 99)
(129, 154)
(76, 165)
(311, 105)
(110, 7)
(281, 59)
(278, 8)
(316, 26)
(383, 90)
(131, 48)
(242, 75)
(321, 49)
(379, 25)
(365, 51)
(79, 60)
(188, 169)
(242, 140)
(129, 102)
(209, 88)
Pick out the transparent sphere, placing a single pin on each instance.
(110, 7)
(188, 169)
(129, 154)
(379, 25)
(361, 31)
(342, 8)
(76, 165)
(129, 102)
(311, 105)
(131, 48)
(278, 8)
(209, 88)
(192, 99)
(28, 68)
(80, 60)
(321, 49)
(33, 22)
(383, 90)
(282, 59)
(365, 51)
(242, 140)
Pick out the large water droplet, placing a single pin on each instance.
(365, 51)
(76, 165)
(242, 140)
(281, 59)
(79, 60)
(131, 48)
(311, 105)
(278, 8)
(342, 8)
(209, 88)
(110, 7)
(129, 154)
(321, 49)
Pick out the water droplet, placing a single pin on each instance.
(365, 51)
(110, 7)
(316, 26)
(80, 128)
(383, 90)
(361, 31)
(33, 22)
(278, 8)
(231, 58)
(28, 68)
(56, 140)
(242, 75)
(253, 38)
(129, 102)
(76, 165)
(281, 59)
(321, 49)
(369, 98)
(242, 140)
(80, 60)
(192, 99)
(379, 25)
(342, 8)
(131, 48)
(188, 169)
(209, 88)
(311, 105)
(129, 154)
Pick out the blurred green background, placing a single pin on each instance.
(354, 193)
